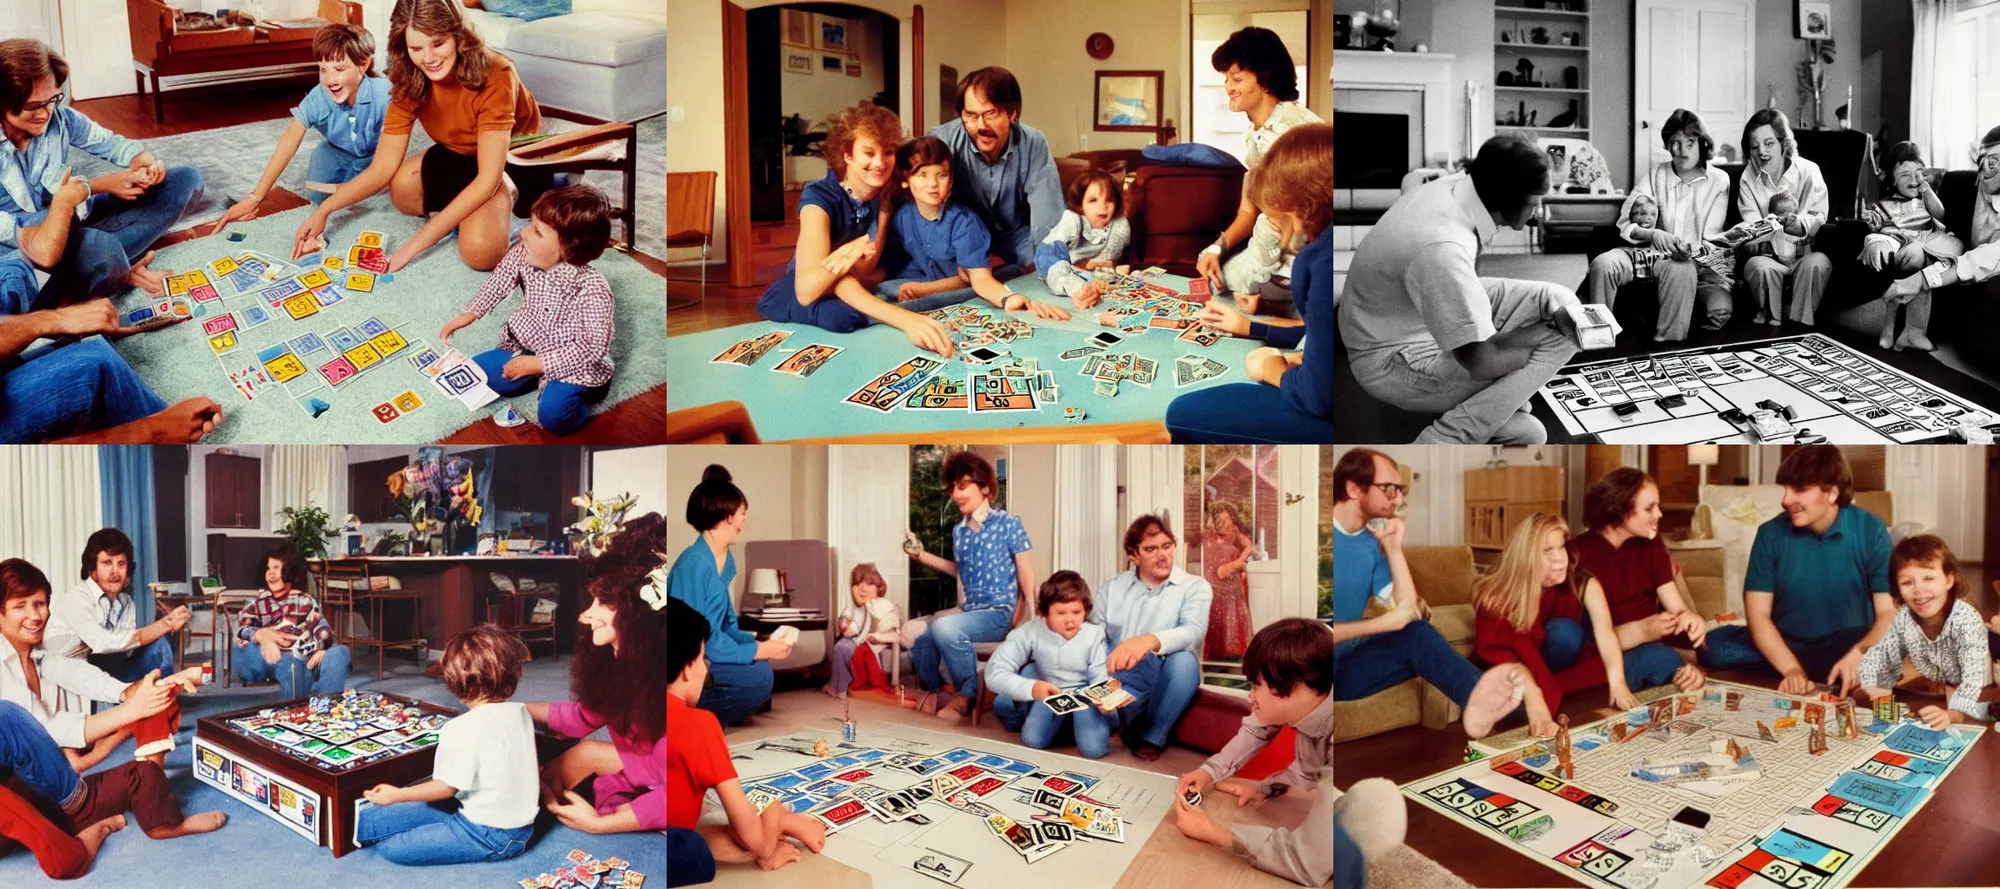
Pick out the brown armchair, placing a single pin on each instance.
(1176, 211)
(158, 51)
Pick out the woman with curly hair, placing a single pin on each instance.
(619, 679)
(1225, 553)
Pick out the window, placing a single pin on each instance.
(1213, 123)
(933, 515)
(1229, 519)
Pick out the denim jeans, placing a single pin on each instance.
(133, 665)
(18, 289)
(1244, 413)
(1010, 712)
(565, 406)
(736, 690)
(1384, 660)
(417, 833)
(887, 290)
(1164, 688)
(27, 751)
(1562, 643)
(295, 679)
(1731, 648)
(1350, 870)
(1092, 729)
(948, 640)
(1016, 249)
(100, 251)
(689, 862)
(57, 391)
(843, 664)
(332, 165)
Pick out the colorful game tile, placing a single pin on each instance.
(388, 343)
(301, 306)
(218, 324)
(332, 263)
(360, 282)
(338, 371)
(223, 343)
(329, 295)
(371, 328)
(342, 339)
(386, 412)
(204, 293)
(363, 356)
(177, 285)
(137, 315)
(408, 401)
(314, 278)
(307, 344)
(196, 278)
(285, 367)
(223, 267)
(254, 315)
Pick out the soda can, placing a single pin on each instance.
(207, 673)
(847, 731)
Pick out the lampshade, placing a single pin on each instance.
(764, 582)
(1704, 455)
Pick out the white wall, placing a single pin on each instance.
(1943, 489)
(640, 471)
(818, 95)
(1437, 485)
(1045, 51)
(785, 484)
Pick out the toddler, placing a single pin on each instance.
(1091, 235)
(937, 254)
(1906, 232)
(1645, 214)
(1938, 632)
(872, 620)
(1064, 653)
(346, 109)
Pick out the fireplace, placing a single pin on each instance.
(1392, 113)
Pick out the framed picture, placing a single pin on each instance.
(831, 64)
(1128, 101)
(798, 63)
(832, 33)
(854, 69)
(947, 92)
(795, 28)
(1815, 20)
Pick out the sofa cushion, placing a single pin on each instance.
(635, 7)
(1443, 574)
(1386, 710)
(1455, 623)
(610, 39)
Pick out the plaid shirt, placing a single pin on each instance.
(29, 176)
(267, 609)
(564, 317)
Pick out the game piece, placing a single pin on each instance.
(407, 402)
(507, 418)
(1844, 720)
(1563, 765)
(301, 306)
(1192, 797)
(1107, 694)
(885, 391)
(138, 315)
(236, 236)
(1764, 732)
(1816, 739)
(332, 263)
(1687, 705)
(819, 748)
(1595, 328)
(316, 406)
(338, 371)
(254, 315)
(1063, 704)
(941, 866)
(285, 367)
(388, 343)
(315, 278)
(1074, 414)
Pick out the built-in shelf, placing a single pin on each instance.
(1542, 89)
(1537, 47)
(1524, 12)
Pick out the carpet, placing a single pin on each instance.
(178, 363)
(1406, 868)
(231, 159)
(255, 842)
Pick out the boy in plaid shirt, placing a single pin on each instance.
(561, 333)
(290, 631)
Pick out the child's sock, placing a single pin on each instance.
(1372, 813)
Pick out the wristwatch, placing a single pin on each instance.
(1214, 249)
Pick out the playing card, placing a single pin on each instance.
(1105, 696)
(940, 865)
(360, 282)
(1050, 800)
(746, 352)
(223, 343)
(371, 328)
(807, 360)
(883, 392)
(940, 392)
(1062, 704)
(301, 305)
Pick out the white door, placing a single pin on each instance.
(1696, 55)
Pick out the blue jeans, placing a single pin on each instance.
(133, 665)
(100, 251)
(1350, 871)
(1010, 712)
(332, 165)
(59, 391)
(826, 313)
(1164, 688)
(421, 833)
(27, 751)
(888, 289)
(1092, 729)
(1016, 250)
(1385, 660)
(947, 642)
(18, 290)
(565, 406)
(1562, 644)
(295, 679)
(1651, 664)
(689, 862)
(1731, 648)
(736, 690)
(1244, 413)
(843, 664)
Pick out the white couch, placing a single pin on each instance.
(605, 60)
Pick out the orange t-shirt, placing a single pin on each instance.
(454, 116)
(697, 759)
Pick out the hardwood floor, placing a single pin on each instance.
(721, 305)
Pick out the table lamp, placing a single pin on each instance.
(1704, 456)
(766, 582)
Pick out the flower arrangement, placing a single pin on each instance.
(601, 519)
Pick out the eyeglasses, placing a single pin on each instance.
(1391, 488)
(989, 117)
(49, 105)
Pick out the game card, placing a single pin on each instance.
(302, 305)
(388, 343)
(329, 295)
(408, 401)
(254, 315)
(219, 324)
(338, 371)
(746, 352)
(362, 357)
(360, 282)
(369, 239)
(883, 392)
(938, 865)
(315, 278)
(204, 293)
(223, 343)
(371, 328)
(285, 368)
(807, 360)
(1062, 704)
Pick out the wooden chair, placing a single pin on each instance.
(691, 220)
(222, 629)
(513, 612)
(341, 584)
(376, 600)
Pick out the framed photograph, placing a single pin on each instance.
(831, 64)
(798, 63)
(1815, 20)
(1128, 101)
(795, 28)
(832, 33)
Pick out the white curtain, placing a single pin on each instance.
(1087, 532)
(301, 476)
(55, 493)
(1944, 117)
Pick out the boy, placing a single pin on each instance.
(990, 547)
(1067, 653)
(562, 329)
(1290, 667)
(697, 760)
(346, 109)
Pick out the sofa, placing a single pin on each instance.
(604, 61)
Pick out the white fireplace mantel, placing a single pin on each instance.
(1432, 73)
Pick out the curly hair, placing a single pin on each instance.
(292, 562)
(1261, 53)
(1779, 124)
(1685, 122)
(867, 119)
(626, 685)
(1296, 177)
(108, 541)
(1611, 498)
(438, 18)
(1896, 155)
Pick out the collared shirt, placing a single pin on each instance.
(355, 128)
(1821, 584)
(30, 176)
(1072, 243)
(1958, 657)
(695, 580)
(1299, 854)
(564, 317)
(1020, 190)
(1412, 279)
(847, 217)
(84, 622)
(1068, 664)
(1690, 209)
(985, 559)
(1801, 180)
(294, 607)
(58, 674)
(1176, 611)
(1258, 139)
(931, 249)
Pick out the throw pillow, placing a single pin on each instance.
(527, 10)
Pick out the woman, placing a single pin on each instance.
(471, 103)
(1623, 551)
(740, 678)
(618, 678)
(1225, 552)
(1693, 197)
(1774, 166)
(283, 636)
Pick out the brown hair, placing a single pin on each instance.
(292, 562)
(1613, 497)
(1062, 586)
(919, 153)
(1356, 467)
(581, 217)
(966, 464)
(997, 84)
(1224, 507)
(1290, 652)
(108, 541)
(866, 118)
(483, 663)
(1818, 466)
(1080, 186)
(19, 580)
(866, 573)
(1926, 549)
(1296, 177)
(1142, 526)
(23, 63)
(342, 41)
(438, 18)
(626, 686)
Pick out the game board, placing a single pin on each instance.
(1833, 394)
(1777, 816)
(850, 787)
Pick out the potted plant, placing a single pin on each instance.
(306, 528)
(601, 519)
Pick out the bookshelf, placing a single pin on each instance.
(1555, 98)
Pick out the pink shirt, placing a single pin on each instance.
(643, 782)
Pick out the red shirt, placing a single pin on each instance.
(1631, 574)
(697, 759)
(1493, 631)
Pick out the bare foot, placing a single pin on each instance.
(1499, 691)
(192, 824)
(928, 703)
(954, 711)
(93, 836)
(144, 278)
(1915, 339)
(786, 853)
(808, 831)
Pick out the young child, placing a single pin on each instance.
(1645, 214)
(990, 549)
(1767, 237)
(1091, 235)
(697, 759)
(290, 632)
(872, 620)
(1906, 232)
(485, 760)
(346, 109)
(1938, 632)
(1066, 653)
(560, 335)
(1290, 667)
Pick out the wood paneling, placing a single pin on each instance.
(235, 491)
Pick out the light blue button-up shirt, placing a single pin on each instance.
(28, 177)
(1067, 664)
(1176, 611)
(356, 128)
(1021, 190)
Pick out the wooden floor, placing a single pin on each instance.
(199, 108)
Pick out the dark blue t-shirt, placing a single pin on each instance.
(849, 218)
(927, 250)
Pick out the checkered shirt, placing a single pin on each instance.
(564, 317)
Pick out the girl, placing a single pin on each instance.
(1294, 402)
(1225, 552)
(1906, 232)
(740, 678)
(872, 619)
(939, 248)
(823, 285)
(1091, 235)
(1623, 551)
(471, 103)
(1940, 634)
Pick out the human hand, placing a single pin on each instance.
(1693, 625)
(1247, 793)
(1087, 296)
(1670, 242)
(575, 812)
(179, 616)
(1226, 570)
(1795, 683)
(1390, 538)
(1395, 619)
(401, 258)
(928, 335)
(1846, 673)
(1935, 716)
(457, 323)
(1047, 311)
(521, 366)
(1221, 317)
(148, 168)
(311, 236)
(1128, 653)
(1266, 364)
(1196, 825)
(241, 211)
(1622, 697)
(1209, 266)
(773, 650)
(128, 184)
(1095, 264)
(1689, 677)
(909, 291)
(74, 190)
(185, 421)
(312, 663)
(1198, 781)
(381, 794)
(150, 698)
(1875, 254)
(86, 318)
(1043, 689)
(843, 258)
(1541, 725)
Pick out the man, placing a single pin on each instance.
(1156, 618)
(1377, 653)
(1979, 264)
(1425, 332)
(1002, 168)
(1816, 591)
(97, 621)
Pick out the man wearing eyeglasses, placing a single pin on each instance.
(1373, 654)
(1003, 168)
(1982, 261)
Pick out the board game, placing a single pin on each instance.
(1729, 786)
(916, 808)
(1799, 389)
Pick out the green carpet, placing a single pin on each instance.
(177, 362)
